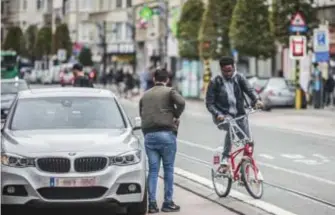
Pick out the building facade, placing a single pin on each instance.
(83, 17)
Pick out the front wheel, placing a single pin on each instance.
(254, 186)
(221, 189)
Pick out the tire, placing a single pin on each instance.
(226, 192)
(139, 208)
(259, 195)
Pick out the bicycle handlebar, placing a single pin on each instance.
(251, 111)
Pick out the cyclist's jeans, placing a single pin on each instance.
(243, 124)
(161, 146)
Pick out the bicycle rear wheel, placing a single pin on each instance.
(220, 189)
(249, 179)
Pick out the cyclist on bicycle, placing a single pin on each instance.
(225, 99)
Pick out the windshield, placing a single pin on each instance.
(13, 87)
(260, 83)
(278, 83)
(67, 113)
(8, 60)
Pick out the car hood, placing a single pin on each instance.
(76, 140)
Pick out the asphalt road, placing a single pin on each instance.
(289, 161)
(294, 161)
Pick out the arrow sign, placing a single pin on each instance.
(298, 23)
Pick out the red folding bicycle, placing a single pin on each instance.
(246, 171)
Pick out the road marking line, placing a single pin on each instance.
(235, 194)
(266, 156)
(292, 156)
(293, 172)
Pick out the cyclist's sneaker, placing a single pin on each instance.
(224, 166)
(170, 207)
(224, 162)
(153, 208)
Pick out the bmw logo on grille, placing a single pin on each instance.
(72, 153)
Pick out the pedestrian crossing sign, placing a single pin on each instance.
(298, 23)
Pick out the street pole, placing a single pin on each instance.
(297, 82)
(104, 48)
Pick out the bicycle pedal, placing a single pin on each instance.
(240, 183)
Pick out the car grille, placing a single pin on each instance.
(90, 164)
(72, 192)
(57, 165)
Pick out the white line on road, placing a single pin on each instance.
(266, 156)
(292, 156)
(235, 194)
(293, 172)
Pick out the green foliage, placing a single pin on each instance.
(14, 40)
(30, 37)
(250, 29)
(282, 11)
(62, 40)
(43, 42)
(215, 29)
(188, 28)
(85, 57)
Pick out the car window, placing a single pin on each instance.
(13, 87)
(277, 83)
(67, 113)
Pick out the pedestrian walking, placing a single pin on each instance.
(160, 109)
(80, 78)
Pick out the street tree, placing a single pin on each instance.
(281, 15)
(85, 57)
(250, 29)
(30, 37)
(43, 42)
(15, 41)
(214, 30)
(61, 40)
(188, 28)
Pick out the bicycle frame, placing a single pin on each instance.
(247, 149)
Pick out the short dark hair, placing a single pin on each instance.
(224, 61)
(161, 75)
(77, 66)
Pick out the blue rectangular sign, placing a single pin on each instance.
(321, 56)
(296, 28)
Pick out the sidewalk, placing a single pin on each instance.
(191, 203)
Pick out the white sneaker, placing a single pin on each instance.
(224, 162)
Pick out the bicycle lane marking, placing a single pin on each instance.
(293, 172)
(235, 194)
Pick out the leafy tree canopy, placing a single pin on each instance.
(85, 57)
(188, 28)
(250, 29)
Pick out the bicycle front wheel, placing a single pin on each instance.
(254, 186)
(221, 189)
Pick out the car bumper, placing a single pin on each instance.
(281, 101)
(111, 186)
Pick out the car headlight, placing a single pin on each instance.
(128, 158)
(16, 160)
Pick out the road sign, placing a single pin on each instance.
(298, 47)
(61, 54)
(321, 44)
(298, 23)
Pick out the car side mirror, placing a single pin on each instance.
(137, 125)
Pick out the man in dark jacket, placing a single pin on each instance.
(80, 79)
(160, 109)
(225, 99)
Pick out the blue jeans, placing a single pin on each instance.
(161, 146)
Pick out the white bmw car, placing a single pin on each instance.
(71, 145)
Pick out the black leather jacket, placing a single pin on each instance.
(217, 97)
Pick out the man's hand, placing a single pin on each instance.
(176, 121)
(220, 118)
(259, 104)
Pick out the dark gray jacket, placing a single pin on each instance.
(217, 98)
(158, 108)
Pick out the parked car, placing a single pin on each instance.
(72, 146)
(9, 90)
(277, 92)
